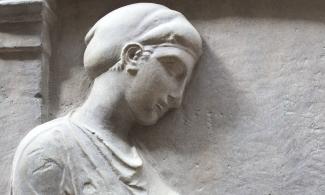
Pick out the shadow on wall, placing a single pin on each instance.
(210, 107)
(190, 141)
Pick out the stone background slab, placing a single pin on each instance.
(253, 118)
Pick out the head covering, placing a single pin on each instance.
(145, 23)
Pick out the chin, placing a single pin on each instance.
(148, 120)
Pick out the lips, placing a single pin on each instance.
(161, 106)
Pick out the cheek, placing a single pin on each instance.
(150, 84)
(143, 90)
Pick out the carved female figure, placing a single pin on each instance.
(141, 58)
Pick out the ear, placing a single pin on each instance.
(129, 56)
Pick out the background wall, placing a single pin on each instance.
(253, 118)
(25, 50)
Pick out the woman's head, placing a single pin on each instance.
(153, 47)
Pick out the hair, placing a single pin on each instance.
(145, 23)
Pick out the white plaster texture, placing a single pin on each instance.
(20, 110)
(24, 62)
(140, 73)
(252, 121)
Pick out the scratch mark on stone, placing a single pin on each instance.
(46, 165)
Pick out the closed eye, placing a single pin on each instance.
(174, 66)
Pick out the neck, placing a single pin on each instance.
(105, 112)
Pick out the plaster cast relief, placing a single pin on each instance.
(140, 58)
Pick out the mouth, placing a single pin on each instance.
(161, 106)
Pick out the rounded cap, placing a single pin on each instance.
(145, 23)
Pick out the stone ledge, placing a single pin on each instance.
(30, 49)
(25, 25)
(20, 11)
(20, 36)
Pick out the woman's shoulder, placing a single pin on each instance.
(45, 141)
(47, 134)
(40, 159)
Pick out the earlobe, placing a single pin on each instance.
(131, 69)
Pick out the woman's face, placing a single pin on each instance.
(159, 84)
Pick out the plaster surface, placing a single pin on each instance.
(252, 121)
(24, 58)
(139, 74)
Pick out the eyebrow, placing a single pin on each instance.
(187, 50)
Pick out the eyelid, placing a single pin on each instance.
(178, 67)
